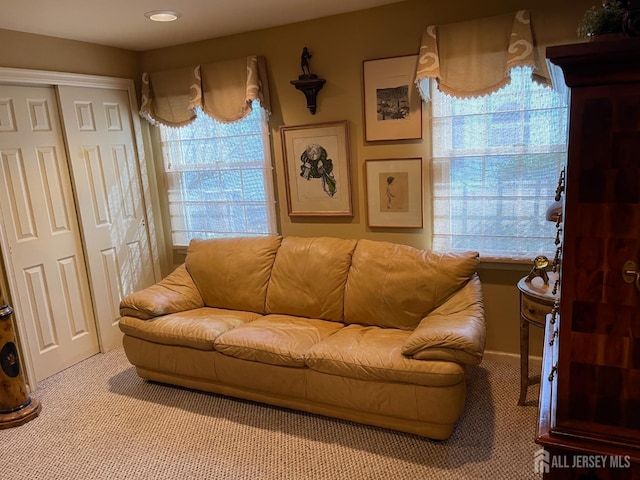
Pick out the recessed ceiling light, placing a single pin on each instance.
(163, 15)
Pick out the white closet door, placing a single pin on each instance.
(104, 166)
(40, 234)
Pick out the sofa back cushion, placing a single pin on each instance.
(233, 273)
(309, 276)
(391, 285)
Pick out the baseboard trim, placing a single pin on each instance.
(512, 355)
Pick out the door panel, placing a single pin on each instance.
(40, 234)
(104, 168)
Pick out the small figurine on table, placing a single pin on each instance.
(540, 264)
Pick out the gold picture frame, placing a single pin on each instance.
(392, 103)
(394, 192)
(317, 167)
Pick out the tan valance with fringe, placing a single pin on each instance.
(474, 58)
(223, 90)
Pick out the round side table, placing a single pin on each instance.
(536, 301)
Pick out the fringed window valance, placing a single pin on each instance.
(223, 90)
(474, 58)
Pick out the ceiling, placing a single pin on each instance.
(121, 23)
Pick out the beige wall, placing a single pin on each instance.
(39, 52)
(339, 45)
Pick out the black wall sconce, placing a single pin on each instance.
(308, 83)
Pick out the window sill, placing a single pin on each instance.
(511, 264)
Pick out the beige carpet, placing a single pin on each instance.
(101, 421)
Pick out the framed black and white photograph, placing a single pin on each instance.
(394, 192)
(317, 169)
(392, 103)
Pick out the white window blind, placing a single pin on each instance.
(496, 163)
(219, 178)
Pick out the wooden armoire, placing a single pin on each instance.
(589, 418)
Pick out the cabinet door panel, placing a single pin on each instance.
(599, 369)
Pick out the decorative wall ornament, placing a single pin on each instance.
(308, 83)
(394, 192)
(317, 169)
(392, 103)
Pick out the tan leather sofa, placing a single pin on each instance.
(373, 332)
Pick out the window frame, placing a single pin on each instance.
(442, 159)
(173, 231)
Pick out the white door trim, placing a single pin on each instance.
(18, 76)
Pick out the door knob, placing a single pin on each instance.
(630, 273)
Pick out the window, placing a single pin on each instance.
(219, 178)
(496, 163)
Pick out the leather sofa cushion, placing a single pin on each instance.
(308, 277)
(454, 331)
(194, 328)
(174, 293)
(275, 339)
(232, 273)
(374, 354)
(391, 285)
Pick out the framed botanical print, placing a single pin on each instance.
(394, 192)
(317, 169)
(392, 103)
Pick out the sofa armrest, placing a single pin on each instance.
(174, 293)
(455, 331)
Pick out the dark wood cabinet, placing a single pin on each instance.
(590, 394)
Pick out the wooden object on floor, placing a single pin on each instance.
(590, 395)
(16, 407)
(536, 302)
